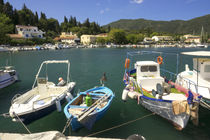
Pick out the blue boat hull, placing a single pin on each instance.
(75, 125)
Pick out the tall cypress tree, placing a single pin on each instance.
(1, 2)
(36, 19)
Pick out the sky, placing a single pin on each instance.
(107, 11)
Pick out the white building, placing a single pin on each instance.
(148, 39)
(29, 31)
(68, 38)
(162, 38)
(90, 39)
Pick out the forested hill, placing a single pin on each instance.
(173, 26)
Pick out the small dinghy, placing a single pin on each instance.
(88, 107)
(8, 76)
(41, 99)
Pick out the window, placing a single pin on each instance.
(207, 68)
(148, 69)
(152, 68)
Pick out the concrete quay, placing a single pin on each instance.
(50, 135)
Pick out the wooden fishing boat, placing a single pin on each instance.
(157, 94)
(43, 98)
(81, 112)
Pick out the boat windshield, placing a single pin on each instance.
(207, 68)
(148, 68)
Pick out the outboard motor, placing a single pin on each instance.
(159, 90)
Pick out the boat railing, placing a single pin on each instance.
(19, 96)
(190, 83)
(169, 72)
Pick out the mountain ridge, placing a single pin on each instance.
(173, 26)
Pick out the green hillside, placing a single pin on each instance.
(173, 26)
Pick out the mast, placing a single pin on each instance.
(202, 35)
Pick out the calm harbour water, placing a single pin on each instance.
(87, 67)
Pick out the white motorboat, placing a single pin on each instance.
(43, 98)
(8, 75)
(198, 79)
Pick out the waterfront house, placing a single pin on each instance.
(69, 38)
(24, 32)
(90, 39)
(162, 38)
(191, 38)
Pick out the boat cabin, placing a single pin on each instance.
(202, 66)
(148, 74)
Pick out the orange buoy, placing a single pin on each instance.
(127, 63)
(159, 60)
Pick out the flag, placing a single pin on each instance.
(126, 78)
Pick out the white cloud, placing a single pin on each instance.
(107, 9)
(137, 1)
(104, 10)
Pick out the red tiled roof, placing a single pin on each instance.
(24, 26)
(17, 36)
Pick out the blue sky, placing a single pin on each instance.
(106, 11)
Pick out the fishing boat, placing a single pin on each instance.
(156, 93)
(44, 97)
(8, 76)
(198, 79)
(88, 107)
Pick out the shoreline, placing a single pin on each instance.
(61, 46)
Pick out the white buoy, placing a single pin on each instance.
(70, 95)
(125, 94)
(58, 105)
(133, 95)
(68, 99)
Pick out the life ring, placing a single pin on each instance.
(159, 60)
(127, 63)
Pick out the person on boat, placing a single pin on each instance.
(61, 82)
(103, 79)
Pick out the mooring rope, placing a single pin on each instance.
(120, 125)
(22, 123)
(205, 104)
(6, 115)
(67, 124)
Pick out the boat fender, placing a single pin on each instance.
(133, 95)
(58, 105)
(125, 94)
(127, 63)
(70, 95)
(68, 99)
